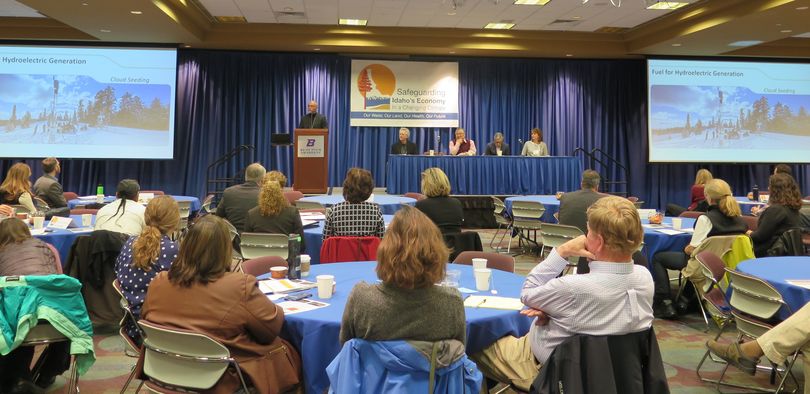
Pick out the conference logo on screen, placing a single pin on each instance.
(376, 83)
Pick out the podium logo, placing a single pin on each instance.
(310, 142)
(376, 83)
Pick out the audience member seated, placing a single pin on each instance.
(47, 187)
(124, 215)
(274, 215)
(445, 211)
(277, 176)
(782, 214)
(782, 169)
(406, 304)
(199, 294)
(238, 200)
(498, 147)
(403, 146)
(148, 254)
(574, 207)
(698, 198)
(22, 254)
(777, 344)
(614, 298)
(16, 188)
(722, 218)
(535, 146)
(355, 217)
(461, 146)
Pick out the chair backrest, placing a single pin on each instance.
(463, 241)
(206, 204)
(20, 208)
(751, 221)
(155, 192)
(416, 196)
(713, 268)
(716, 302)
(691, 214)
(232, 230)
(342, 249)
(501, 215)
(555, 235)
(528, 210)
(309, 205)
(262, 265)
(753, 296)
(182, 358)
(56, 259)
(83, 211)
(132, 347)
(789, 243)
(293, 195)
(253, 245)
(494, 260)
(70, 196)
(185, 209)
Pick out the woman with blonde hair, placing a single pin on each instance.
(144, 256)
(445, 211)
(722, 218)
(697, 196)
(16, 188)
(274, 215)
(406, 304)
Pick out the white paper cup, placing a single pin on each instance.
(500, 153)
(87, 220)
(305, 264)
(278, 272)
(431, 152)
(326, 284)
(39, 222)
(479, 263)
(482, 278)
(677, 223)
(99, 199)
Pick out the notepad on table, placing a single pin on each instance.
(669, 231)
(799, 282)
(493, 302)
(285, 285)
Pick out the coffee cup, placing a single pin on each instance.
(326, 285)
(305, 264)
(278, 272)
(87, 220)
(479, 263)
(39, 222)
(483, 276)
(677, 223)
(431, 152)
(99, 199)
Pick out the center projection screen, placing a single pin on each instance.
(87, 102)
(728, 111)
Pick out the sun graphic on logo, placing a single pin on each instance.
(376, 83)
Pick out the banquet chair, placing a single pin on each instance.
(716, 303)
(309, 205)
(461, 242)
(131, 347)
(183, 360)
(185, 213)
(45, 334)
(292, 196)
(415, 196)
(526, 216)
(343, 249)
(206, 204)
(20, 208)
(754, 304)
(253, 245)
(494, 260)
(70, 196)
(504, 221)
(555, 235)
(261, 265)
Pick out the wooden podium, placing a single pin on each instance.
(311, 160)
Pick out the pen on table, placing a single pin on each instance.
(481, 303)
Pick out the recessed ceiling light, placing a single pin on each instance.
(136, 12)
(288, 9)
(353, 22)
(747, 43)
(499, 26)
(317, 49)
(186, 46)
(451, 13)
(85, 4)
(568, 55)
(105, 31)
(664, 4)
(802, 8)
(576, 17)
(786, 31)
(676, 45)
(452, 52)
(531, 2)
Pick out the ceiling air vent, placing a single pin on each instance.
(290, 16)
(565, 23)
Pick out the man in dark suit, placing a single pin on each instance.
(497, 145)
(47, 187)
(574, 208)
(404, 147)
(313, 120)
(238, 200)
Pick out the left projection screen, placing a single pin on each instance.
(87, 102)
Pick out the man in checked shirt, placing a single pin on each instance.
(615, 298)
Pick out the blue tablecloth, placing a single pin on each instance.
(746, 204)
(656, 241)
(776, 271)
(62, 240)
(551, 203)
(316, 333)
(195, 202)
(389, 205)
(488, 175)
(313, 239)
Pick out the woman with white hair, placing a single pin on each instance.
(403, 146)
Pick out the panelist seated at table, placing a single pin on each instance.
(776, 344)
(406, 304)
(199, 294)
(497, 147)
(16, 188)
(124, 215)
(461, 146)
(782, 214)
(146, 255)
(274, 215)
(22, 254)
(446, 212)
(355, 217)
(722, 218)
(614, 298)
(404, 146)
(535, 147)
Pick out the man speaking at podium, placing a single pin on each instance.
(313, 120)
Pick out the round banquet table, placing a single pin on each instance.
(746, 204)
(389, 205)
(551, 203)
(62, 240)
(313, 239)
(777, 271)
(195, 202)
(655, 241)
(316, 333)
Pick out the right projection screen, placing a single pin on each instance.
(728, 111)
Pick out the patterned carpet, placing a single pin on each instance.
(681, 343)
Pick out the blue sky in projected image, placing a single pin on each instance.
(35, 92)
(670, 104)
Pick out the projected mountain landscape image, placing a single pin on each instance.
(76, 109)
(708, 117)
